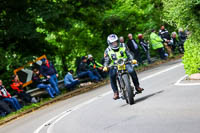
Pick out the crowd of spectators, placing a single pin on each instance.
(46, 76)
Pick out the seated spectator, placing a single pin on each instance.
(84, 70)
(4, 108)
(173, 42)
(69, 81)
(145, 47)
(95, 67)
(18, 88)
(48, 70)
(5, 96)
(42, 83)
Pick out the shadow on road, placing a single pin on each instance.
(147, 96)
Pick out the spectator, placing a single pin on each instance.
(84, 70)
(42, 83)
(95, 67)
(69, 81)
(173, 42)
(5, 96)
(164, 34)
(157, 45)
(134, 48)
(4, 108)
(48, 70)
(18, 88)
(182, 38)
(145, 47)
(121, 41)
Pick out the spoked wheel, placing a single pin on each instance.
(128, 92)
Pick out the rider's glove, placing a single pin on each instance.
(105, 69)
(134, 61)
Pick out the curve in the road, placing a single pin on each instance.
(50, 123)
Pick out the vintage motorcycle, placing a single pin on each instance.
(123, 80)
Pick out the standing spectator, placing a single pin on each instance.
(134, 48)
(69, 81)
(42, 83)
(4, 108)
(18, 88)
(48, 70)
(121, 41)
(84, 70)
(157, 45)
(164, 34)
(145, 47)
(182, 38)
(95, 67)
(5, 96)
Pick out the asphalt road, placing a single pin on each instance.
(163, 107)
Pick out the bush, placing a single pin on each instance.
(191, 57)
(185, 14)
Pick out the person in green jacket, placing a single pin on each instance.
(157, 44)
(95, 67)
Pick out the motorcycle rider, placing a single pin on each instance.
(114, 52)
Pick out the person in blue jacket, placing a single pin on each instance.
(48, 70)
(69, 81)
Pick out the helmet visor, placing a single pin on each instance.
(115, 45)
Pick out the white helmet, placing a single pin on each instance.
(113, 38)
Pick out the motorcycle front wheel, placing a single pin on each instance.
(128, 89)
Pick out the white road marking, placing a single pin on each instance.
(163, 71)
(178, 83)
(60, 116)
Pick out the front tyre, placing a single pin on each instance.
(128, 89)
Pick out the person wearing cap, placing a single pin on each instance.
(48, 70)
(145, 47)
(115, 52)
(95, 66)
(84, 70)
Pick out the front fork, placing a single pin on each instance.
(121, 84)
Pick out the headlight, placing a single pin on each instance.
(120, 62)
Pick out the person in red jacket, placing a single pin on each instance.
(5, 96)
(17, 86)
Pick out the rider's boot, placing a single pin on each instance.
(116, 96)
(139, 89)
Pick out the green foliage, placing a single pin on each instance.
(185, 14)
(66, 29)
(132, 16)
(191, 57)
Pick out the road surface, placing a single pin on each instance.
(163, 107)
